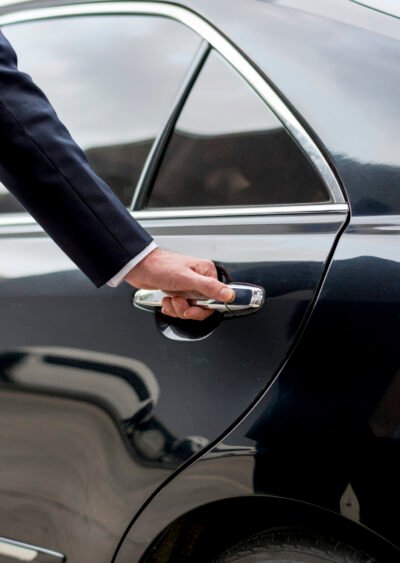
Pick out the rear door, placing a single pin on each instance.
(233, 185)
(101, 401)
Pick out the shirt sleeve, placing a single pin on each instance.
(118, 278)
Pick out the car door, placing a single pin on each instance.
(101, 401)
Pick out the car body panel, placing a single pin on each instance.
(325, 58)
(70, 354)
(326, 432)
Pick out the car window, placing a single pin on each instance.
(111, 80)
(228, 148)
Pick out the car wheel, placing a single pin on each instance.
(291, 547)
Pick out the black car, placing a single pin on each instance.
(263, 134)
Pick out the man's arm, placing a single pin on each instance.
(50, 175)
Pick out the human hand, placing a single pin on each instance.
(183, 278)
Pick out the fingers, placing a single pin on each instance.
(180, 276)
(167, 307)
(211, 288)
(205, 268)
(202, 280)
(178, 307)
(197, 313)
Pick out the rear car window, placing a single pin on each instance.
(228, 148)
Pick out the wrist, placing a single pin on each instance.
(141, 265)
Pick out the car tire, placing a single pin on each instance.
(284, 547)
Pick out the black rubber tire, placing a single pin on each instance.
(293, 547)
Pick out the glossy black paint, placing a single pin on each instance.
(326, 433)
(331, 416)
(105, 453)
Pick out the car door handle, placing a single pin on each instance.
(248, 298)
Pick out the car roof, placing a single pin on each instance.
(336, 63)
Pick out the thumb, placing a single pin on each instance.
(211, 288)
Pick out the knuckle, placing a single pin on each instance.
(210, 267)
(180, 305)
(212, 285)
(191, 313)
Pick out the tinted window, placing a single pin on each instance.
(111, 80)
(228, 148)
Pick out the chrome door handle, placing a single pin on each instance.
(248, 298)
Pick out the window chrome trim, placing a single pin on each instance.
(220, 44)
(25, 220)
(161, 141)
(20, 219)
(388, 7)
(142, 215)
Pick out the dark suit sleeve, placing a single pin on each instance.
(49, 174)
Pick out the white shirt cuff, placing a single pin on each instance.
(118, 278)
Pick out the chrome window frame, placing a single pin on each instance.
(160, 144)
(239, 62)
(386, 7)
